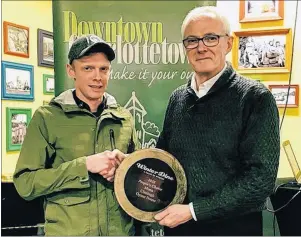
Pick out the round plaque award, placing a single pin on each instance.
(148, 181)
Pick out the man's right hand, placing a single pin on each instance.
(101, 161)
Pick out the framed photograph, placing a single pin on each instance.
(266, 50)
(17, 81)
(48, 84)
(250, 11)
(286, 95)
(16, 39)
(45, 48)
(17, 120)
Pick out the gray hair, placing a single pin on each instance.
(209, 11)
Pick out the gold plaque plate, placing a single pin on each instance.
(148, 181)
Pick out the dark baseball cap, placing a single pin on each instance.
(86, 44)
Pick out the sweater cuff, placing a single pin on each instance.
(192, 211)
(202, 211)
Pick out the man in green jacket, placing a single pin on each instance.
(73, 147)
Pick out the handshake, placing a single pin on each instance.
(105, 163)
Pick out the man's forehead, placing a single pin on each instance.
(205, 23)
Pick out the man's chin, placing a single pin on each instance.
(96, 96)
(204, 70)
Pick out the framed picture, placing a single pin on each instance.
(17, 81)
(250, 11)
(16, 39)
(266, 50)
(286, 95)
(17, 120)
(48, 84)
(45, 48)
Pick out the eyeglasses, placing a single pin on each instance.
(208, 40)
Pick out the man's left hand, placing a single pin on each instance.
(174, 215)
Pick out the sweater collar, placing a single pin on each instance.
(226, 77)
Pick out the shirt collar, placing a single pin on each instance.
(83, 105)
(207, 84)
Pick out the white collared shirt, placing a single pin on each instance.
(203, 90)
(205, 86)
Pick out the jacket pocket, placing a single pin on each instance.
(62, 210)
(70, 198)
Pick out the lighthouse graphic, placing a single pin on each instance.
(147, 132)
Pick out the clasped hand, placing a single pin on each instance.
(105, 163)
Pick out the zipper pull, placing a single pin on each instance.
(112, 139)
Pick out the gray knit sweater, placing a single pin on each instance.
(227, 142)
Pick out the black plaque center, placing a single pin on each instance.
(150, 184)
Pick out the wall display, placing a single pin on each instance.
(17, 81)
(16, 39)
(48, 84)
(250, 11)
(285, 94)
(17, 120)
(45, 48)
(265, 50)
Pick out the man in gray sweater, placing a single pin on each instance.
(224, 130)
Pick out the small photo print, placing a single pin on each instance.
(18, 124)
(17, 81)
(17, 120)
(262, 51)
(48, 84)
(285, 95)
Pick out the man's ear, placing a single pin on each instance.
(229, 44)
(70, 71)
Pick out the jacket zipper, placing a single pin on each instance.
(113, 147)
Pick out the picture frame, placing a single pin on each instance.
(16, 39)
(17, 120)
(283, 93)
(17, 81)
(48, 84)
(256, 11)
(264, 50)
(45, 49)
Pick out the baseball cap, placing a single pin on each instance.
(86, 44)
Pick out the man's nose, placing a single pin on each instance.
(97, 75)
(201, 46)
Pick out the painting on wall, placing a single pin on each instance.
(252, 11)
(45, 48)
(16, 39)
(48, 84)
(17, 81)
(17, 120)
(286, 95)
(261, 50)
